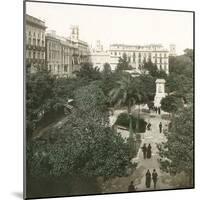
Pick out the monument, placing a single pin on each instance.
(160, 92)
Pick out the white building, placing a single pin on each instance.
(137, 55)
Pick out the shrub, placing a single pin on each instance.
(123, 120)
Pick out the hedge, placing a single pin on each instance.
(123, 120)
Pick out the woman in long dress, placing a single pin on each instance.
(148, 179)
(149, 151)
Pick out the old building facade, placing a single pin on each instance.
(35, 43)
(65, 55)
(59, 55)
(137, 55)
(98, 56)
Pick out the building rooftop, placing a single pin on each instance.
(35, 21)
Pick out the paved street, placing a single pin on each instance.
(152, 137)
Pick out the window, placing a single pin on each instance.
(29, 54)
(133, 56)
(65, 68)
(165, 67)
(34, 55)
(34, 41)
(38, 55)
(115, 53)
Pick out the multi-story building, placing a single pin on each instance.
(65, 55)
(82, 53)
(59, 55)
(137, 55)
(35, 43)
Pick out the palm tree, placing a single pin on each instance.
(126, 93)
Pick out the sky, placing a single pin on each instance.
(117, 25)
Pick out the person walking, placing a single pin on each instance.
(159, 110)
(149, 126)
(148, 179)
(131, 187)
(160, 127)
(154, 178)
(144, 150)
(156, 109)
(149, 151)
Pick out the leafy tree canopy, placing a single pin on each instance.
(177, 153)
(123, 63)
(171, 104)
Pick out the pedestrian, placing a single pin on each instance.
(154, 178)
(149, 126)
(148, 179)
(160, 127)
(159, 110)
(144, 150)
(131, 187)
(149, 151)
(156, 109)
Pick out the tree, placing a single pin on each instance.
(189, 53)
(88, 73)
(177, 153)
(128, 92)
(171, 104)
(84, 145)
(123, 63)
(39, 98)
(180, 79)
(106, 68)
(147, 86)
(151, 68)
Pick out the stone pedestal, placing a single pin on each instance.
(160, 92)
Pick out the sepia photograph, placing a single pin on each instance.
(109, 99)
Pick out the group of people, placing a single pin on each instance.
(147, 154)
(157, 110)
(149, 177)
(149, 126)
(146, 151)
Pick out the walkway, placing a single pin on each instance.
(153, 137)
